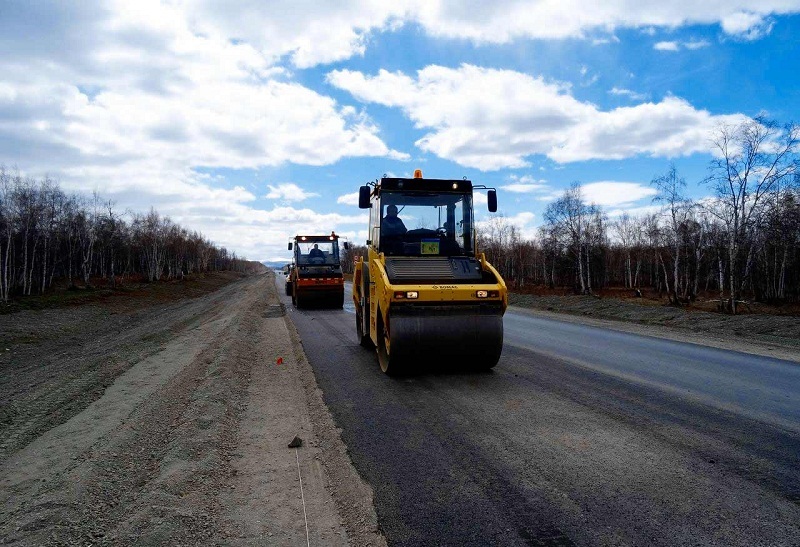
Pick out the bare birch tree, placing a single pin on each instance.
(676, 209)
(754, 157)
(569, 216)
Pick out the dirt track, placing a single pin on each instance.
(169, 425)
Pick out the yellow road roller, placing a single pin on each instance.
(424, 294)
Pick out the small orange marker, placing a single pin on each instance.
(279, 361)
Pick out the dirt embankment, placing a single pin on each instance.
(759, 333)
(169, 424)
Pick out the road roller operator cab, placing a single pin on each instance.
(315, 277)
(424, 292)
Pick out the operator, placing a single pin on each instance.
(315, 252)
(391, 224)
(449, 244)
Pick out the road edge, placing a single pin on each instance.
(352, 494)
(751, 347)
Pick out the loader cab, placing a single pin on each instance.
(435, 217)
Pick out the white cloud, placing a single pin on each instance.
(348, 199)
(522, 223)
(260, 233)
(633, 211)
(504, 21)
(229, 217)
(175, 95)
(309, 32)
(288, 192)
(467, 125)
(696, 44)
(613, 193)
(668, 129)
(525, 185)
(135, 99)
(605, 193)
(603, 41)
(470, 126)
(666, 46)
(747, 25)
(676, 46)
(524, 188)
(633, 95)
(525, 179)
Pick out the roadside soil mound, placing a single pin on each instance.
(128, 293)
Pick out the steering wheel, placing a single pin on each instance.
(441, 231)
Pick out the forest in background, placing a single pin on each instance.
(48, 236)
(739, 244)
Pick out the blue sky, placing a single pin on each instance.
(257, 120)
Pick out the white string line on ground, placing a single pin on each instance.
(302, 497)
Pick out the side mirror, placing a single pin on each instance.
(290, 246)
(492, 195)
(346, 245)
(363, 197)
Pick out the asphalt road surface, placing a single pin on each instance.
(580, 436)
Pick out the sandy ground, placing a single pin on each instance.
(169, 425)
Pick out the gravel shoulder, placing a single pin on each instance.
(759, 334)
(169, 424)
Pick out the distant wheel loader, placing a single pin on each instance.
(315, 277)
(424, 294)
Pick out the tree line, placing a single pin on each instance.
(741, 243)
(48, 235)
